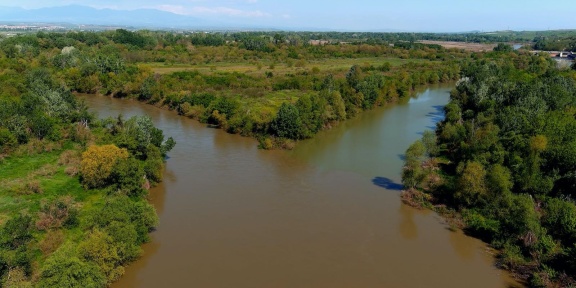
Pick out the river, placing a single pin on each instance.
(327, 214)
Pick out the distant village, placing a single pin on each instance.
(31, 28)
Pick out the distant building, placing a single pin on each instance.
(559, 55)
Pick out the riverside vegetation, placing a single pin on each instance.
(238, 81)
(501, 165)
(73, 209)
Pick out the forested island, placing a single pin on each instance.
(73, 191)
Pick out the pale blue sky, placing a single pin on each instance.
(359, 15)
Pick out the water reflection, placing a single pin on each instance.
(407, 226)
(462, 248)
(157, 195)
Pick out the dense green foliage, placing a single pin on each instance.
(73, 208)
(507, 154)
(131, 64)
(53, 231)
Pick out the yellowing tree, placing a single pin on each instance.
(98, 162)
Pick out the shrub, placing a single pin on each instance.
(125, 238)
(57, 214)
(51, 241)
(33, 187)
(128, 176)
(98, 162)
(69, 271)
(69, 157)
(99, 248)
(480, 226)
(125, 210)
(7, 140)
(511, 257)
(16, 232)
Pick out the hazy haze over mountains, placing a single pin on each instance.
(75, 14)
(337, 15)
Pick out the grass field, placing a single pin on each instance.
(28, 180)
(336, 65)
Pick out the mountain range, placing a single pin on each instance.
(139, 18)
(77, 14)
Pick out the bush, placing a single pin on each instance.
(16, 232)
(560, 219)
(51, 241)
(480, 226)
(128, 176)
(32, 187)
(59, 213)
(154, 164)
(126, 239)
(511, 257)
(98, 162)
(125, 210)
(7, 140)
(99, 248)
(69, 271)
(224, 105)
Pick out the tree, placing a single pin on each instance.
(471, 183)
(125, 239)
(287, 123)
(412, 173)
(429, 141)
(354, 76)
(128, 175)
(311, 109)
(503, 47)
(499, 180)
(98, 162)
(123, 209)
(99, 248)
(69, 271)
(147, 88)
(370, 87)
(560, 219)
(337, 106)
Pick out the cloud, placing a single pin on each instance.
(212, 11)
(176, 9)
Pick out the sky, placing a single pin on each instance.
(357, 15)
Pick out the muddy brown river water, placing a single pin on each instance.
(327, 214)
